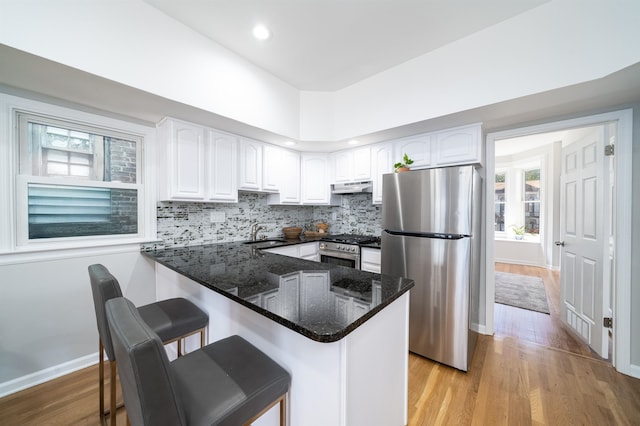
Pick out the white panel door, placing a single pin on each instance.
(583, 234)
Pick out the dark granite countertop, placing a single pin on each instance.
(320, 301)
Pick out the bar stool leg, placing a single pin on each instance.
(101, 376)
(113, 393)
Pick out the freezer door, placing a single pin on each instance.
(439, 301)
(432, 200)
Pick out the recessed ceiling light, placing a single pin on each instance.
(261, 32)
(353, 142)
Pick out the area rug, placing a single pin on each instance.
(521, 291)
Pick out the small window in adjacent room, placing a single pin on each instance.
(532, 201)
(76, 180)
(499, 199)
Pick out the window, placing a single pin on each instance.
(499, 199)
(76, 180)
(517, 199)
(532, 201)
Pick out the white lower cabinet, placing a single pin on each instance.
(370, 259)
(291, 251)
(308, 251)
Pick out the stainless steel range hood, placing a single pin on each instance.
(351, 187)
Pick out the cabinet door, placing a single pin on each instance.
(271, 168)
(291, 251)
(222, 166)
(418, 148)
(382, 163)
(458, 146)
(342, 162)
(361, 164)
(250, 162)
(289, 177)
(315, 186)
(309, 251)
(187, 161)
(370, 260)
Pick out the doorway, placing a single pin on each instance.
(527, 223)
(620, 265)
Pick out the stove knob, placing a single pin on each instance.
(339, 247)
(353, 249)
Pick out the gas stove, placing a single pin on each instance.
(350, 239)
(343, 249)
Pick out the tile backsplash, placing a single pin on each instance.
(186, 223)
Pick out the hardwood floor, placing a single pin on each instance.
(536, 327)
(527, 374)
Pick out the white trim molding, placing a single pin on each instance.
(623, 220)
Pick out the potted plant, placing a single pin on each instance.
(404, 165)
(519, 231)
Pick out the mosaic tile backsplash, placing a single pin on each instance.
(182, 223)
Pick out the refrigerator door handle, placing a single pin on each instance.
(427, 235)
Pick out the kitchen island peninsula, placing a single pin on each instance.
(340, 332)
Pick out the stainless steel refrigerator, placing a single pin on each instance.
(431, 224)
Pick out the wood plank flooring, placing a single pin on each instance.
(536, 327)
(527, 374)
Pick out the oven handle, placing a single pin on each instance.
(339, 254)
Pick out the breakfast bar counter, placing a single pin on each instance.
(340, 332)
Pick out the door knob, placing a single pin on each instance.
(559, 243)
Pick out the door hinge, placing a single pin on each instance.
(607, 322)
(609, 150)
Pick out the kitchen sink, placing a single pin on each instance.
(265, 243)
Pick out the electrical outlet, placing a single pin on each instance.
(216, 217)
(334, 216)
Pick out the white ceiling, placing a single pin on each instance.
(330, 44)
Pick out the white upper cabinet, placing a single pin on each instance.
(456, 146)
(200, 164)
(462, 145)
(381, 163)
(259, 164)
(418, 148)
(314, 171)
(286, 171)
(222, 165)
(352, 165)
(272, 157)
(250, 165)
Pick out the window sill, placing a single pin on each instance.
(26, 254)
(524, 240)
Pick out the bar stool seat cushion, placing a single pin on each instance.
(227, 381)
(173, 318)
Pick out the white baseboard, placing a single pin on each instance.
(38, 377)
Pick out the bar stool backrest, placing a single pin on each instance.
(104, 286)
(146, 378)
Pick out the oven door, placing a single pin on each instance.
(349, 260)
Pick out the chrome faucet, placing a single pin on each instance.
(254, 231)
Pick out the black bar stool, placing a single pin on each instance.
(172, 320)
(229, 382)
